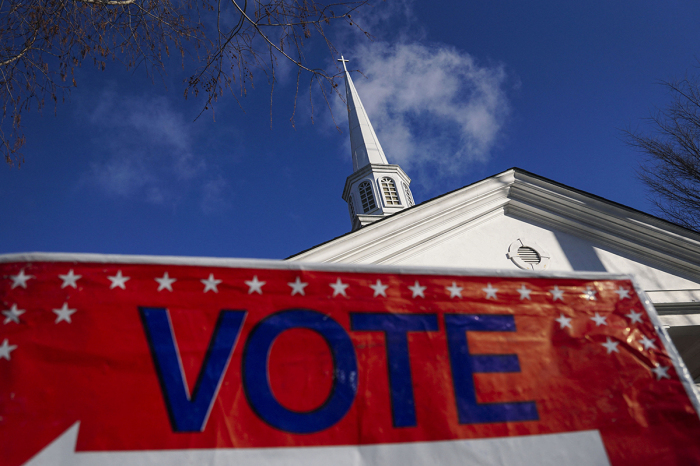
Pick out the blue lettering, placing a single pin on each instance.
(464, 365)
(396, 328)
(255, 372)
(189, 413)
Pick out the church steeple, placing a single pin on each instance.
(377, 188)
(364, 143)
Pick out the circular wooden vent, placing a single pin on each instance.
(529, 255)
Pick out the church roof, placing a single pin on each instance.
(522, 194)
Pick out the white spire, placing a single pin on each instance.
(376, 189)
(363, 140)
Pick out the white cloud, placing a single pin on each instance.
(145, 149)
(436, 109)
(120, 177)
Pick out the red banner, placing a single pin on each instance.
(169, 362)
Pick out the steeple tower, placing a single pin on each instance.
(376, 189)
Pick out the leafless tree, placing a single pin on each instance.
(225, 42)
(671, 166)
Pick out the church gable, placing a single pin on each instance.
(555, 228)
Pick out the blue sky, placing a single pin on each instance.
(456, 93)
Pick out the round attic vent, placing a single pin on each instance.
(528, 255)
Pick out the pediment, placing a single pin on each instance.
(522, 195)
(474, 226)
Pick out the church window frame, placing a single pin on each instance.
(367, 196)
(389, 192)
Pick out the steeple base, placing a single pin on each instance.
(363, 220)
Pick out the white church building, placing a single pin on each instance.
(513, 220)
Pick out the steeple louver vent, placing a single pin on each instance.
(366, 197)
(409, 197)
(391, 197)
(529, 255)
(352, 207)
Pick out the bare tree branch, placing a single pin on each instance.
(671, 166)
(42, 42)
(108, 2)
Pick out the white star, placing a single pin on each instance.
(12, 314)
(20, 279)
(210, 283)
(661, 372)
(599, 320)
(647, 342)
(623, 293)
(564, 321)
(590, 294)
(417, 290)
(69, 279)
(298, 286)
(63, 314)
(524, 292)
(339, 288)
(118, 280)
(379, 289)
(165, 282)
(557, 294)
(6, 348)
(455, 291)
(490, 291)
(611, 346)
(635, 317)
(254, 285)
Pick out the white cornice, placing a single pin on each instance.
(650, 239)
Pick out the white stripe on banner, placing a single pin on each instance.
(583, 448)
